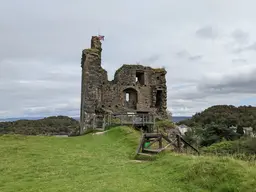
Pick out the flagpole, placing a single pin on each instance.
(98, 32)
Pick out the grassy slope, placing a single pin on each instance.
(103, 163)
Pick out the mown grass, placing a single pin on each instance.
(104, 163)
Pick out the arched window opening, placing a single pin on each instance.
(127, 97)
(130, 98)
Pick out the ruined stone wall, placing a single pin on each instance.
(145, 86)
(93, 76)
(152, 80)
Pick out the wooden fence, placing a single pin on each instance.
(102, 121)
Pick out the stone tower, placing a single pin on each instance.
(135, 88)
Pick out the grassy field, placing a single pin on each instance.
(104, 163)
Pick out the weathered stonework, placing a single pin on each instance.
(135, 88)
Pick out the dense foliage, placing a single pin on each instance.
(228, 115)
(54, 125)
(244, 148)
(163, 125)
(213, 125)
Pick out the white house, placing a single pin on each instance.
(248, 131)
(183, 129)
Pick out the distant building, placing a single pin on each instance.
(248, 131)
(234, 128)
(183, 129)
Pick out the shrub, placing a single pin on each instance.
(164, 125)
(243, 148)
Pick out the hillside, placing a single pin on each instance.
(244, 116)
(55, 125)
(105, 163)
(176, 119)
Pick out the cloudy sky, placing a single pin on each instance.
(207, 47)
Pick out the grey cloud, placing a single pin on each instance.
(186, 55)
(251, 47)
(191, 106)
(27, 84)
(183, 54)
(41, 46)
(195, 58)
(69, 109)
(151, 59)
(230, 87)
(239, 60)
(240, 36)
(207, 32)
(242, 83)
(187, 107)
(237, 50)
(238, 83)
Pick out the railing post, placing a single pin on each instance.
(160, 142)
(178, 142)
(104, 121)
(154, 124)
(93, 122)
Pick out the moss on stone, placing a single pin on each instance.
(102, 70)
(118, 70)
(134, 66)
(158, 70)
(92, 50)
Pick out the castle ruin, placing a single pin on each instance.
(134, 89)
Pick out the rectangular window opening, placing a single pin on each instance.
(159, 95)
(127, 97)
(140, 77)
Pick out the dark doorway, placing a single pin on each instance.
(140, 77)
(159, 95)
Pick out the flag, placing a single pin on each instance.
(101, 37)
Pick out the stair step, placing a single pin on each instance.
(98, 129)
(152, 150)
(152, 135)
(145, 154)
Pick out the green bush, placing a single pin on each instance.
(227, 115)
(163, 125)
(243, 148)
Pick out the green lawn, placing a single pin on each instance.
(104, 163)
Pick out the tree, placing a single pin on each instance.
(214, 133)
(49, 126)
(240, 130)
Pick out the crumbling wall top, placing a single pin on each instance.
(95, 43)
(160, 70)
(139, 67)
(93, 53)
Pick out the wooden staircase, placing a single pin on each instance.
(99, 129)
(160, 139)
